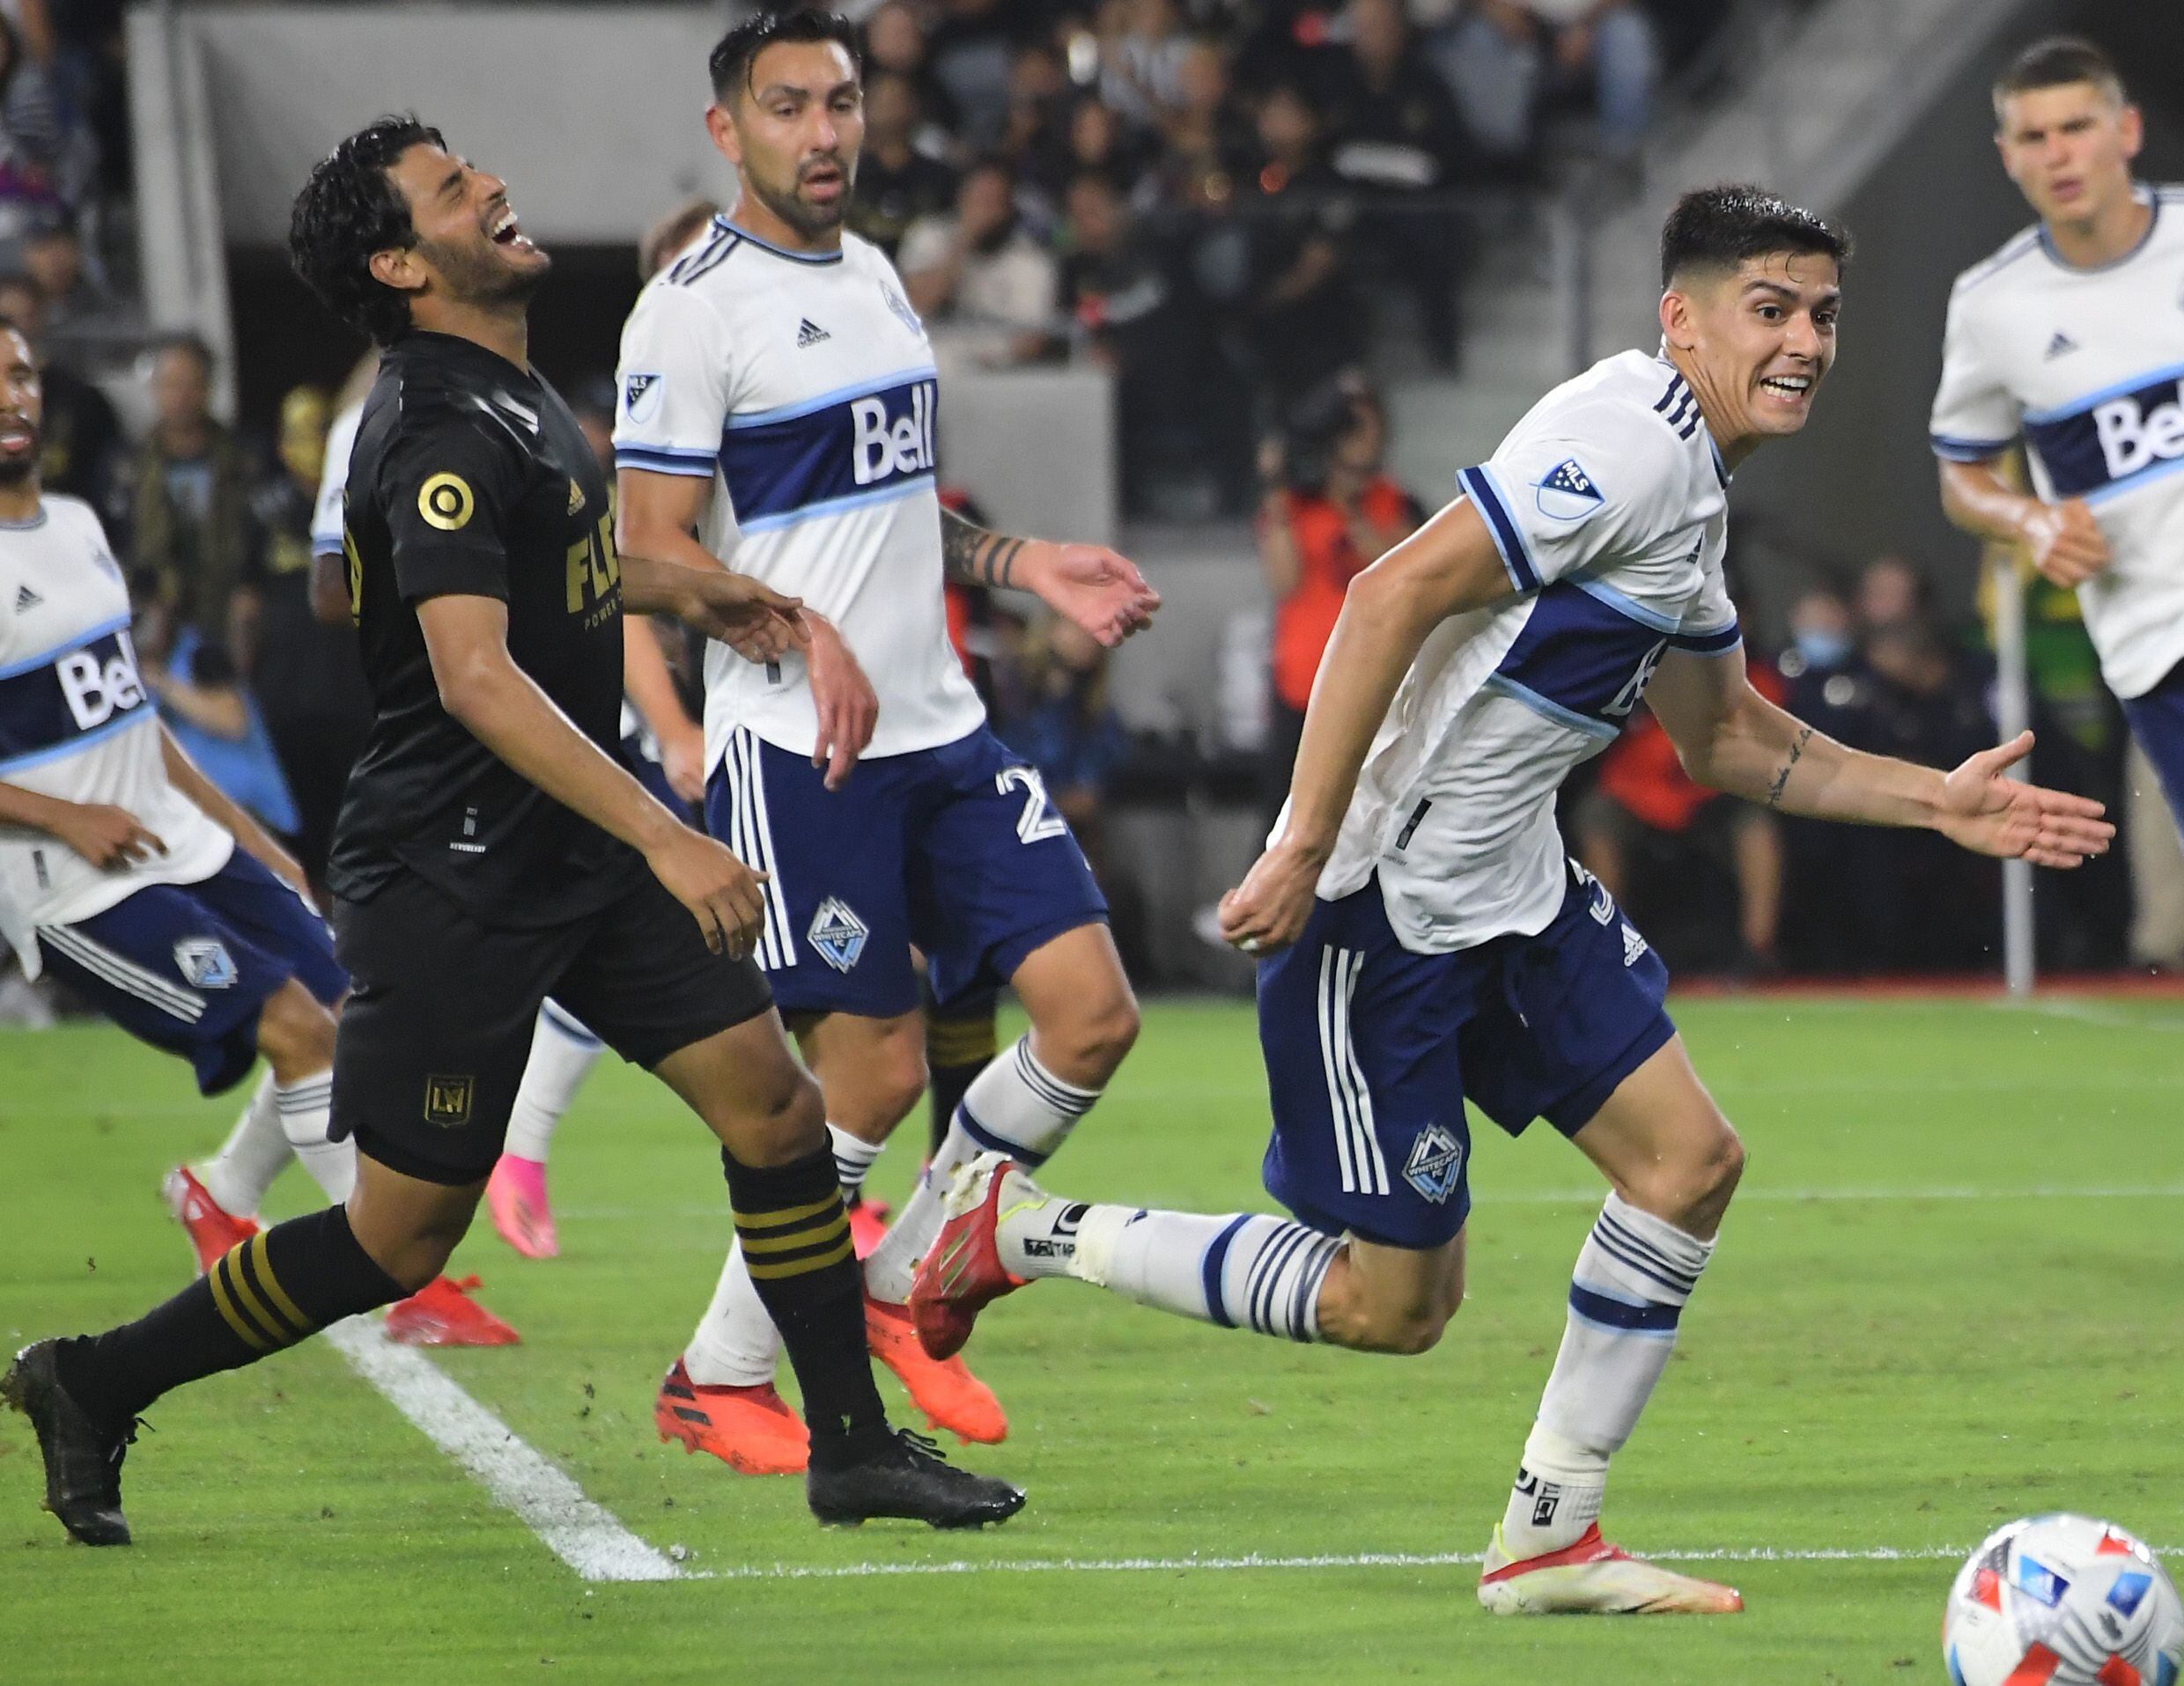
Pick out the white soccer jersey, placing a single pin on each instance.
(77, 723)
(330, 510)
(804, 386)
(2087, 367)
(1608, 503)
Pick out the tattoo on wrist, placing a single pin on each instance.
(1781, 779)
(971, 555)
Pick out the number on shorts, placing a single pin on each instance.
(1038, 820)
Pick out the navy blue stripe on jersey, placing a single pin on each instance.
(869, 448)
(1621, 1314)
(1959, 450)
(2113, 439)
(1719, 641)
(661, 459)
(1581, 660)
(81, 695)
(1508, 539)
(707, 258)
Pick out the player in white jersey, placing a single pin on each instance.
(778, 398)
(119, 871)
(2071, 338)
(1427, 941)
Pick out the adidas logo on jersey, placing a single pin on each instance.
(809, 333)
(26, 599)
(1634, 944)
(1568, 493)
(576, 495)
(2063, 342)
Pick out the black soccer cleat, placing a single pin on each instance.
(83, 1462)
(906, 1475)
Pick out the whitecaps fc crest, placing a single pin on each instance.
(205, 963)
(1436, 1165)
(838, 934)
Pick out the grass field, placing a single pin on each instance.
(1952, 1292)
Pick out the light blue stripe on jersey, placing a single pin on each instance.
(59, 649)
(834, 256)
(1554, 710)
(119, 724)
(922, 483)
(2134, 384)
(1969, 450)
(1630, 607)
(658, 460)
(2132, 482)
(1480, 483)
(839, 395)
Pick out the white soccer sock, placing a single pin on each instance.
(1251, 1272)
(853, 1157)
(563, 1053)
(252, 1155)
(305, 1108)
(1016, 1107)
(1633, 1276)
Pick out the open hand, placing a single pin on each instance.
(1989, 814)
(1101, 591)
(848, 706)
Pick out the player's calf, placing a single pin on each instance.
(296, 1033)
(1391, 1299)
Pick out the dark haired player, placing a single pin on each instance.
(2070, 338)
(491, 851)
(778, 397)
(1426, 939)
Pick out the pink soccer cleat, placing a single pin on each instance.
(867, 1225)
(963, 1274)
(442, 1314)
(211, 1230)
(516, 1196)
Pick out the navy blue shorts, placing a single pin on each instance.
(654, 777)
(2158, 722)
(1371, 1050)
(187, 967)
(955, 850)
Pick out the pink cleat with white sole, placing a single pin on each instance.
(516, 1196)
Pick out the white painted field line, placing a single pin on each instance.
(2109, 1015)
(585, 1535)
(1357, 1560)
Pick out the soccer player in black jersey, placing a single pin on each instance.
(492, 851)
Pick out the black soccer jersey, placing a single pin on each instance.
(470, 477)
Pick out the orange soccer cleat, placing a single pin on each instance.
(211, 1231)
(749, 1429)
(943, 1389)
(442, 1314)
(516, 1197)
(1594, 1577)
(963, 1273)
(867, 1225)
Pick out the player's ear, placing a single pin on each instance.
(721, 127)
(398, 266)
(1676, 326)
(2131, 129)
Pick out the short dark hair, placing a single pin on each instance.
(192, 344)
(350, 209)
(738, 50)
(1722, 228)
(2057, 61)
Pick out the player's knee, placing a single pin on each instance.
(1692, 1187)
(295, 1033)
(1092, 1043)
(785, 1121)
(1405, 1324)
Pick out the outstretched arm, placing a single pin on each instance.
(1729, 738)
(255, 841)
(2066, 541)
(1447, 567)
(1088, 584)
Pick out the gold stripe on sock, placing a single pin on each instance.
(799, 1267)
(961, 1042)
(786, 1215)
(247, 1297)
(218, 1277)
(260, 1273)
(818, 1235)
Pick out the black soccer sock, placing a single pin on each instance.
(280, 1285)
(961, 1042)
(796, 1245)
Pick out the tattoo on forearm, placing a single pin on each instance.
(1781, 779)
(971, 555)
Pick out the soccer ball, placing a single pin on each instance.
(2062, 1600)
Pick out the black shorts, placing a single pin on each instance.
(436, 1033)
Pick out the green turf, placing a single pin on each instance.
(1876, 1360)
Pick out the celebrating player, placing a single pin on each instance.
(491, 851)
(1425, 938)
(2070, 337)
(777, 396)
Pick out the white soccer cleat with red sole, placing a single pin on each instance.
(1593, 1578)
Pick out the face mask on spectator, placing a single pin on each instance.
(1823, 646)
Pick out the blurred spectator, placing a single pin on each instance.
(971, 46)
(665, 239)
(1036, 138)
(1503, 58)
(190, 502)
(894, 42)
(305, 676)
(1208, 142)
(1098, 139)
(896, 182)
(1300, 315)
(84, 323)
(1397, 136)
(1143, 46)
(90, 70)
(83, 437)
(46, 154)
(1055, 713)
(987, 290)
(202, 699)
(1330, 512)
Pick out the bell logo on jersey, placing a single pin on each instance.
(97, 691)
(2133, 437)
(886, 444)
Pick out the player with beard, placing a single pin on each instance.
(778, 399)
(491, 851)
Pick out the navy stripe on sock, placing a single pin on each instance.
(1266, 1275)
(1210, 1269)
(1050, 1089)
(1640, 1245)
(988, 1142)
(1307, 1294)
(1617, 1314)
(1619, 1243)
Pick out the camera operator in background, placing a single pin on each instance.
(1328, 513)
